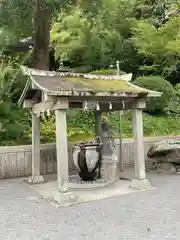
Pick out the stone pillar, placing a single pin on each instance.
(62, 146)
(140, 181)
(109, 160)
(36, 176)
(98, 121)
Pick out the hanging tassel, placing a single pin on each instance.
(43, 115)
(97, 106)
(37, 114)
(123, 104)
(110, 105)
(85, 104)
(48, 113)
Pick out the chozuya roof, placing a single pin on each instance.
(76, 84)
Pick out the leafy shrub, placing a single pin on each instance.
(90, 40)
(157, 83)
(174, 106)
(80, 126)
(177, 88)
(14, 126)
(48, 130)
(153, 125)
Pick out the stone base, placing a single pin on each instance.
(166, 168)
(63, 199)
(109, 170)
(63, 187)
(36, 179)
(140, 184)
(151, 165)
(49, 191)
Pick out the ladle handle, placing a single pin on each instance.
(99, 138)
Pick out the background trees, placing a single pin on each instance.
(144, 35)
(160, 46)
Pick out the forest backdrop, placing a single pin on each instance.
(86, 36)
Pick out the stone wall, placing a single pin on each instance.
(15, 161)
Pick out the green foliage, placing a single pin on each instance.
(91, 41)
(177, 88)
(81, 126)
(103, 35)
(80, 123)
(160, 45)
(16, 17)
(14, 125)
(93, 35)
(48, 130)
(174, 106)
(161, 126)
(69, 33)
(153, 125)
(156, 83)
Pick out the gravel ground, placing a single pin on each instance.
(148, 215)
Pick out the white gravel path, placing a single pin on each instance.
(149, 215)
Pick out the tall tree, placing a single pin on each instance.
(42, 21)
(31, 18)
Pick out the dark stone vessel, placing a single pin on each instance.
(87, 158)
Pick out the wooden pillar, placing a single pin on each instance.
(36, 160)
(62, 146)
(98, 121)
(140, 181)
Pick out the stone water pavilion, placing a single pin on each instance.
(47, 92)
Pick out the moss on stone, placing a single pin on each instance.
(102, 85)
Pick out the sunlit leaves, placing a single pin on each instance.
(68, 34)
(93, 40)
(162, 44)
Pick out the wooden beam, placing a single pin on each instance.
(61, 103)
(101, 98)
(104, 106)
(29, 103)
(42, 107)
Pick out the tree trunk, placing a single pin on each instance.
(40, 56)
